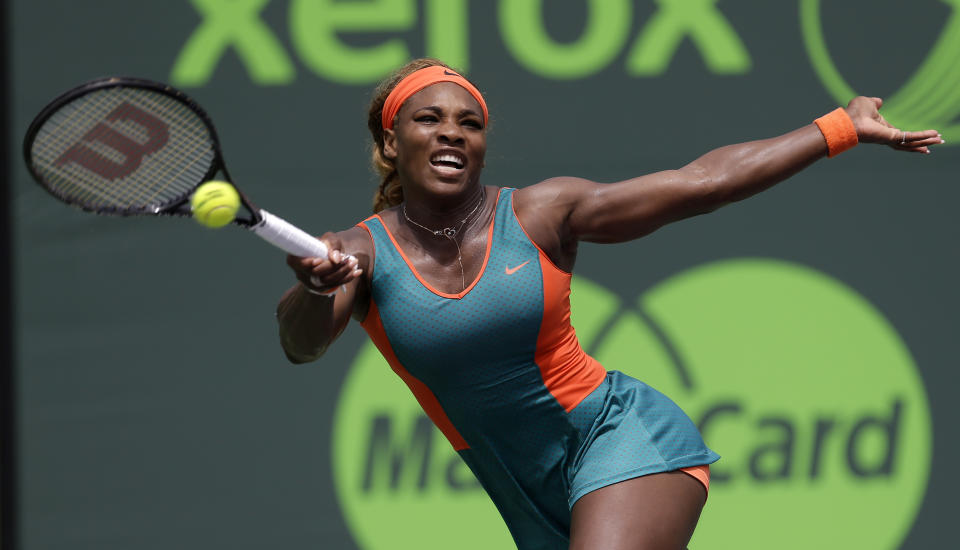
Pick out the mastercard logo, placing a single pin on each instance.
(804, 388)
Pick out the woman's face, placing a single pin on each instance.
(438, 141)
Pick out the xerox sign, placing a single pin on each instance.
(317, 31)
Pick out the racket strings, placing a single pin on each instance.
(187, 120)
(181, 148)
(163, 176)
(73, 180)
(44, 146)
(107, 104)
(55, 139)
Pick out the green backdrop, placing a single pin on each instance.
(155, 408)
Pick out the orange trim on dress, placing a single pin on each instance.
(557, 342)
(428, 401)
(567, 371)
(423, 281)
(373, 259)
(700, 473)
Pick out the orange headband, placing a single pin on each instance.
(418, 80)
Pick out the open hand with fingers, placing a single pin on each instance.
(873, 128)
(326, 275)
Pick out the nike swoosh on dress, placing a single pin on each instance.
(512, 270)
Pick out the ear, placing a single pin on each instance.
(389, 143)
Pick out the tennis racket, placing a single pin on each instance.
(129, 146)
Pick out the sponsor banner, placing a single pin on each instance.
(804, 388)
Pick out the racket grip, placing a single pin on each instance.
(286, 236)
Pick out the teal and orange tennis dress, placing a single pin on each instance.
(499, 370)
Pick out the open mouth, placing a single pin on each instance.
(448, 159)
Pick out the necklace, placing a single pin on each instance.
(450, 233)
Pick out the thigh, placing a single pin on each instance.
(657, 511)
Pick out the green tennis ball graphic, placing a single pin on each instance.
(800, 384)
(930, 99)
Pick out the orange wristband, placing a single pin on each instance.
(838, 130)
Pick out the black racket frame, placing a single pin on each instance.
(179, 206)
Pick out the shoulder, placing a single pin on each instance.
(553, 198)
(357, 241)
(357, 235)
(552, 191)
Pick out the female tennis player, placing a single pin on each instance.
(464, 288)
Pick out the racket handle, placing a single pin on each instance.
(286, 236)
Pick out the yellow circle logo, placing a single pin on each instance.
(802, 386)
(929, 99)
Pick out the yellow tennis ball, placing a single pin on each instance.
(215, 203)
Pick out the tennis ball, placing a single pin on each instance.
(215, 203)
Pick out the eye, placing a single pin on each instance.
(426, 118)
(473, 123)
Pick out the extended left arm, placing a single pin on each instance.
(565, 210)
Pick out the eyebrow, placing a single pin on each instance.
(438, 111)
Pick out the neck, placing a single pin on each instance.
(438, 215)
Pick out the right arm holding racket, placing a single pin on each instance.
(315, 311)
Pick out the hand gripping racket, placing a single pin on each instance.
(128, 146)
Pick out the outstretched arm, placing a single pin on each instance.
(561, 211)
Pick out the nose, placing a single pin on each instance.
(450, 132)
